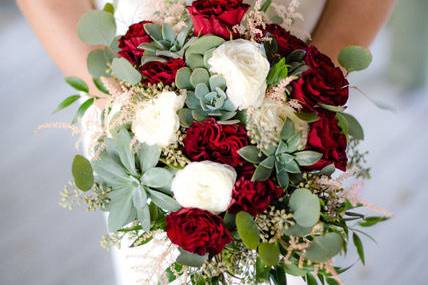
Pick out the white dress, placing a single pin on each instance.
(132, 265)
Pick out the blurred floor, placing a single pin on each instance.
(40, 243)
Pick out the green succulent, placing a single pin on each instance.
(286, 158)
(206, 94)
(166, 42)
(135, 180)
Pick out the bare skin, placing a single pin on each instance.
(342, 23)
(349, 22)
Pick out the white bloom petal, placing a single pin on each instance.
(244, 66)
(205, 185)
(157, 122)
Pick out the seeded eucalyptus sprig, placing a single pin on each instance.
(286, 158)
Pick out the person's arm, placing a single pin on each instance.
(55, 22)
(349, 22)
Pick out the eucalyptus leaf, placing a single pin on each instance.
(157, 178)
(82, 173)
(306, 207)
(355, 129)
(299, 231)
(308, 117)
(323, 248)
(191, 259)
(164, 201)
(99, 61)
(66, 103)
(294, 270)
(269, 253)
(186, 118)
(97, 28)
(355, 58)
(343, 123)
(247, 230)
(77, 83)
(123, 70)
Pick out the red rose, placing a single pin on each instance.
(208, 140)
(216, 17)
(155, 71)
(322, 83)
(128, 44)
(253, 197)
(286, 41)
(326, 137)
(197, 231)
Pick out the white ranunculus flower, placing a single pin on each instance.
(156, 121)
(244, 66)
(205, 185)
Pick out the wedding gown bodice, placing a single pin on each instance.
(132, 265)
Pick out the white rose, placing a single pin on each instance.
(156, 121)
(244, 66)
(205, 185)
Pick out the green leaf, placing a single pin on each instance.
(332, 108)
(168, 33)
(111, 172)
(265, 6)
(77, 84)
(262, 271)
(288, 130)
(331, 281)
(202, 44)
(199, 75)
(306, 207)
(82, 110)
(121, 145)
(82, 173)
(195, 60)
(323, 248)
(217, 81)
(371, 221)
(154, 31)
(294, 270)
(308, 117)
(355, 129)
(120, 208)
(109, 8)
(359, 246)
(269, 253)
(182, 78)
(164, 201)
(186, 117)
(277, 73)
(310, 279)
(278, 276)
(307, 157)
(262, 173)
(355, 58)
(328, 170)
(191, 259)
(123, 70)
(100, 86)
(250, 153)
(298, 231)
(148, 156)
(143, 215)
(247, 230)
(343, 123)
(268, 163)
(97, 28)
(66, 102)
(99, 61)
(283, 178)
(157, 178)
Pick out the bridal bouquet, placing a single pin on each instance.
(224, 135)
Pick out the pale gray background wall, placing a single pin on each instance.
(42, 244)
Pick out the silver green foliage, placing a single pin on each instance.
(166, 42)
(286, 158)
(123, 70)
(97, 28)
(306, 207)
(355, 58)
(135, 181)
